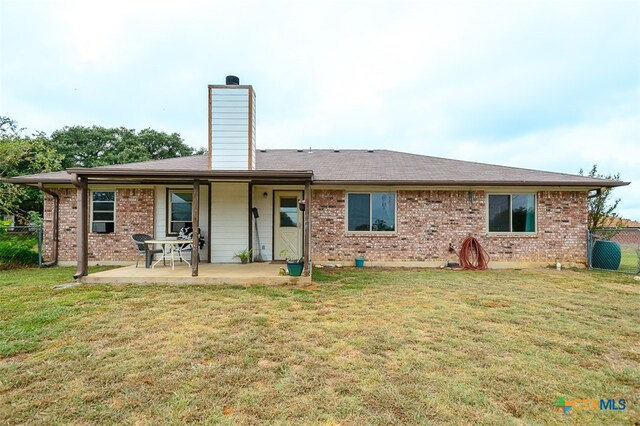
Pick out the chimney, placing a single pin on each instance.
(232, 126)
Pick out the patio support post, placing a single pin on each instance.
(306, 250)
(82, 248)
(195, 216)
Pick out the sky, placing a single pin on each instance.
(549, 85)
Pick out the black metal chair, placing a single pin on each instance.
(142, 248)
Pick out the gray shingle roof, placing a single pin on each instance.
(363, 166)
(383, 166)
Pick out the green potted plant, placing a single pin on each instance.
(244, 255)
(295, 265)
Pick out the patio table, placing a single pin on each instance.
(172, 248)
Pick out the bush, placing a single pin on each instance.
(17, 252)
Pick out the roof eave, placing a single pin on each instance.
(114, 173)
(30, 181)
(587, 185)
(157, 175)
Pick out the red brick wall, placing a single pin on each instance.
(427, 221)
(134, 214)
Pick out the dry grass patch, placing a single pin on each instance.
(359, 347)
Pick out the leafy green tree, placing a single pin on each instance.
(75, 146)
(161, 145)
(602, 207)
(21, 155)
(99, 146)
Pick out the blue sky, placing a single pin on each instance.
(551, 85)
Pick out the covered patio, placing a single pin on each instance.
(209, 273)
(199, 272)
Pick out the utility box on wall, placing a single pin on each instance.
(232, 126)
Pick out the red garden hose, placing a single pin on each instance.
(472, 255)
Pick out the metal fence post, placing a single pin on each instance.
(589, 245)
(40, 245)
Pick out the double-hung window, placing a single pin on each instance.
(371, 212)
(512, 213)
(180, 205)
(103, 210)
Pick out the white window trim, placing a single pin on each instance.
(169, 209)
(115, 199)
(511, 232)
(382, 233)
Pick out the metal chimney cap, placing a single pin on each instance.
(232, 80)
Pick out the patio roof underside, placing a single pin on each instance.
(155, 177)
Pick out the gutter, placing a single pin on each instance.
(115, 172)
(611, 184)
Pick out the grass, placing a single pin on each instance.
(630, 258)
(357, 347)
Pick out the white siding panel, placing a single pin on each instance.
(230, 126)
(230, 129)
(228, 109)
(161, 212)
(238, 142)
(253, 133)
(229, 230)
(230, 91)
(265, 221)
(234, 134)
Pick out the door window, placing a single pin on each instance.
(288, 212)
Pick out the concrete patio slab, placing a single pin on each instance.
(250, 274)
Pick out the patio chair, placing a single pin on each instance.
(186, 233)
(142, 248)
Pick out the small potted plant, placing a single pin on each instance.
(295, 265)
(244, 255)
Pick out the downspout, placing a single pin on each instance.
(56, 223)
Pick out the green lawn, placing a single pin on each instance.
(629, 258)
(357, 347)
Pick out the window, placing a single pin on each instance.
(180, 203)
(375, 211)
(103, 206)
(288, 212)
(512, 213)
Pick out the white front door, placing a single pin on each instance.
(287, 225)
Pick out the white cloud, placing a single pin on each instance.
(612, 141)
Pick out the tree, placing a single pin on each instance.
(602, 207)
(161, 145)
(74, 146)
(22, 155)
(99, 146)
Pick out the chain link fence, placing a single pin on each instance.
(614, 249)
(20, 245)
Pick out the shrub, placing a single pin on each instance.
(17, 252)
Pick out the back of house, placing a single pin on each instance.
(326, 206)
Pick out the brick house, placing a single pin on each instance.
(386, 206)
